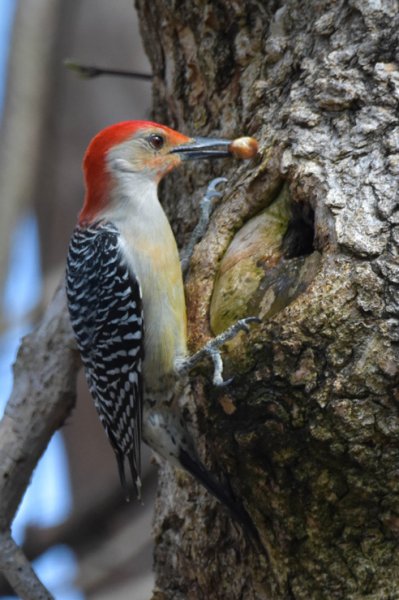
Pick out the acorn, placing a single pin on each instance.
(244, 147)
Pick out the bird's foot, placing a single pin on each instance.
(207, 205)
(212, 349)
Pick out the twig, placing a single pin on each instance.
(19, 572)
(90, 71)
(42, 396)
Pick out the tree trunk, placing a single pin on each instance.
(308, 431)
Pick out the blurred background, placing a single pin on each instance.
(85, 540)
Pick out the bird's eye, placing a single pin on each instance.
(156, 141)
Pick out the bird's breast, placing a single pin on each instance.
(154, 260)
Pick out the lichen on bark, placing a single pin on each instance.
(267, 265)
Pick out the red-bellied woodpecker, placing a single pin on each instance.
(126, 297)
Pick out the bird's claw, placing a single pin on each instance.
(211, 191)
(231, 332)
(214, 345)
(243, 324)
(224, 382)
(211, 349)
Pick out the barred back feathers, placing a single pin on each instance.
(105, 306)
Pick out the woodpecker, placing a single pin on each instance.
(126, 298)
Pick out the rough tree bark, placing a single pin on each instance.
(308, 432)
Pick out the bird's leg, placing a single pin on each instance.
(207, 205)
(212, 349)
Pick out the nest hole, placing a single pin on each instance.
(299, 238)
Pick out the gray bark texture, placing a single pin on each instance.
(308, 433)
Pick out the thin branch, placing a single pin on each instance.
(83, 524)
(42, 397)
(84, 529)
(91, 71)
(19, 571)
(24, 117)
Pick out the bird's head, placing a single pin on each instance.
(140, 148)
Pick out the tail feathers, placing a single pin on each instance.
(136, 479)
(195, 467)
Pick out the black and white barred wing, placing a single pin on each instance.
(105, 306)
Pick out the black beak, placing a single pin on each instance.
(202, 147)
